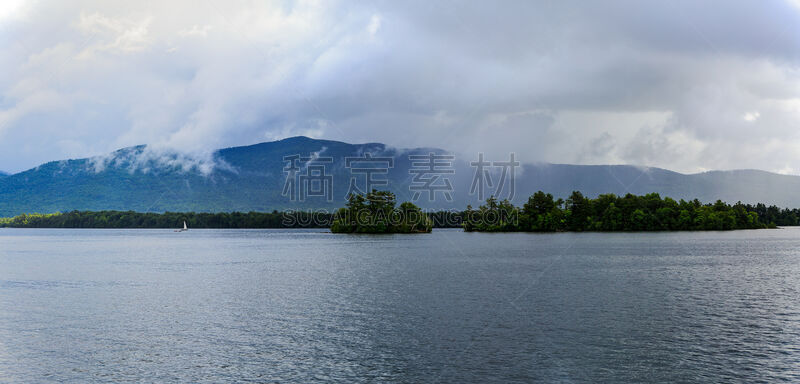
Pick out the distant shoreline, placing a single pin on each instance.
(378, 212)
(173, 220)
(328, 231)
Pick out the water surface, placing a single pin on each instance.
(309, 306)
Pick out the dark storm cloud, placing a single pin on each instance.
(686, 85)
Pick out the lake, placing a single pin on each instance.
(309, 306)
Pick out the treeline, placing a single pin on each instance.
(774, 215)
(130, 219)
(224, 220)
(543, 213)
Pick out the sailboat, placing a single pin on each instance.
(184, 229)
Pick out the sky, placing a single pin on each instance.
(684, 85)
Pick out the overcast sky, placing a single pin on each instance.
(684, 85)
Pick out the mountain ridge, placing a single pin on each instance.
(323, 141)
(253, 178)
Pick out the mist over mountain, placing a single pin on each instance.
(254, 178)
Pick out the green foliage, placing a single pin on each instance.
(492, 217)
(608, 212)
(376, 213)
(130, 219)
(773, 215)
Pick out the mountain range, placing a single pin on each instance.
(254, 178)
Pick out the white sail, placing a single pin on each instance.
(184, 229)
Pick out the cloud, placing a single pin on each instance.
(11, 9)
(146, 159)
(374, 25)
(751, 116)
(121, 35)
(195, 31)
(686, 86)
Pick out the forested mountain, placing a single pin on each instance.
(254, 178)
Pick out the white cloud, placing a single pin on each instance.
(115, 34)
(11, 9)
(196, 30)
(751, 116)
(374, 25)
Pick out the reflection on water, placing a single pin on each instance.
(304, 306)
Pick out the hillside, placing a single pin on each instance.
(252, 178)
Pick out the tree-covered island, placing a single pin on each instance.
(376, 213)
(608, 212)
